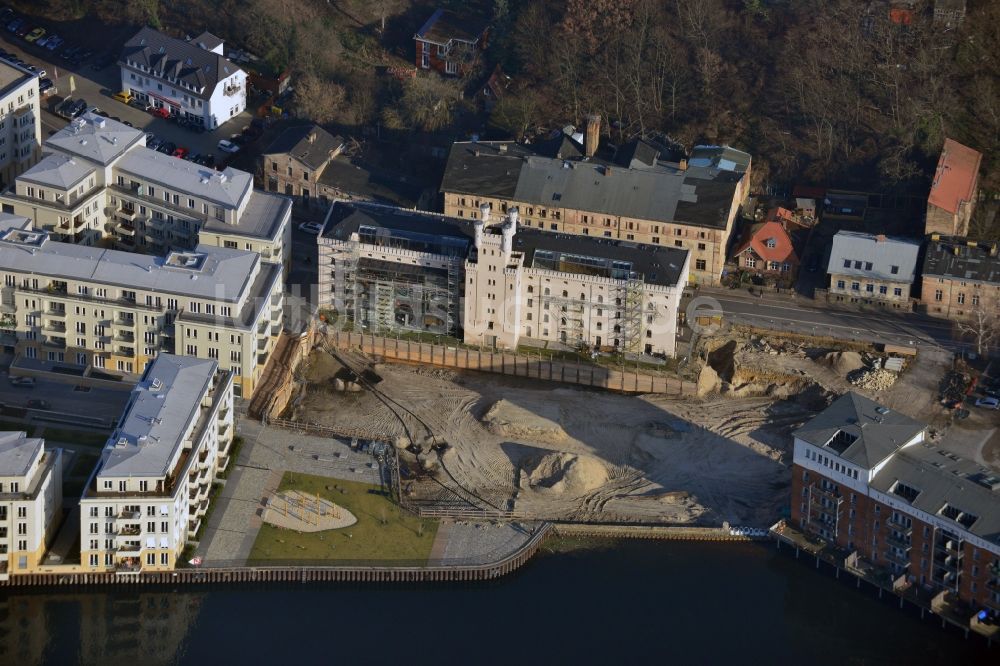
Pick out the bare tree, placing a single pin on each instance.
(983, 326)
(320, 101)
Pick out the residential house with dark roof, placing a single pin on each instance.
(449, 43)
(953, 190)
(866, 269)
(961, 278)
(190, 78)
(295, 162)
(767, 249)
(630, 194)
(866, 480)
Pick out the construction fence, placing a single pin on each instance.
(512, 364)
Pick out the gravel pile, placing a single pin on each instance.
(874, 380)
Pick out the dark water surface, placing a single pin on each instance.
(670, 602)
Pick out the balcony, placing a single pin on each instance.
(231, 90)
(125, 229)
(129, 530)
(54, 327)
(901, 560)
(128, 214)
(128, 515)
(903, 544)
(8, 322)
(72, 226)
(125, 336)
(129, 548)
(56, 310)
(128, 322)
(950, 546)
(901, 526)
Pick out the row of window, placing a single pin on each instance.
(870, 288)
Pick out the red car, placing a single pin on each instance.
(181, 152)
(161, 112)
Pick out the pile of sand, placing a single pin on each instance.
(538, 424)
(560, 473)
(843, 363)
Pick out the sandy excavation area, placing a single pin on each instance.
(551, 452)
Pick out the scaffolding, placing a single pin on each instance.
(633, 293)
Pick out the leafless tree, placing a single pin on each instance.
(983, 326)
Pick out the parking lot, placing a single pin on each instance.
(95, 78)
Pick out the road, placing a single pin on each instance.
(797, 317)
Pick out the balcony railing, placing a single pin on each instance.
(129, 515)
(901, 526)
(902, 560)
(898, 542)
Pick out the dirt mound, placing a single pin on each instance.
(540, 423)
(708, 381)
(843, 363)
(723, 361)
(565, 473)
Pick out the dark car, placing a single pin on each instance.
(39, 404)
(45, 84)
(22, 382)
(167, 148)
(15, 25)
(69, 53)
(65, 107)
(79, 108)
(23, 30)
(209, 161)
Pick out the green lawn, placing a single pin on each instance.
(383, 533)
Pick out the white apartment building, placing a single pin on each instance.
(30, 501)
(98, 182)
(75, 305)
(190, 78)
(386, 268)
(150, 490)
(20, 122)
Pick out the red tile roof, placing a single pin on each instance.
(756, 238)
(955, 177)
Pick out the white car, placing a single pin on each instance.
(989, 403)
(311, 228)
(227, 146)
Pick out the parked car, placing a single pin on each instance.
(55, 41)
(79, 108)
(45, 85)
(167, 148)
(228, 146)
(180, 152)
(37, 403)
(69, 52)
(15, 25)
(123, 96)
(311, 228)
(23, 30)
(22, 382)
(34, 35)
(988, 403)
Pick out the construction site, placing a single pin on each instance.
(481, 444)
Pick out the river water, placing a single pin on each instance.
(597, 602)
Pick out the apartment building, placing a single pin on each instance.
(960, 279)
(20, 121)
(80, 306)
(30, 501)
(150, 490)
(492, 283)
(866, 269)
(866, 479)
(629, 194)
(99, 182)
(190, 78)
(954, 190)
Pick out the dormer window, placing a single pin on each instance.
(771, 243)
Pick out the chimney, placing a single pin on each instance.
(593, 135)
(880, 238)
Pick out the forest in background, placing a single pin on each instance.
(819, 91)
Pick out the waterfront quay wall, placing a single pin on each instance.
(512, 364)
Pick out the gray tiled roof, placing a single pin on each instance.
(701, 197)
(184, 61)
(17, 452)
(955, 258)
(153, 425)
(226, 188)
(295, 141)
(878, 431)
(58, 170)
(95, 138)
(223, 274)
(943, 478)
(882, 252)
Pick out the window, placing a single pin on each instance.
(855, 286)
(938, 295)
(868, 265)
(961, 298)
(898, 291)
(770, 243)
(700, 265)
(847, 263)
(750, 261)
(870, 288)
(894, 270)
